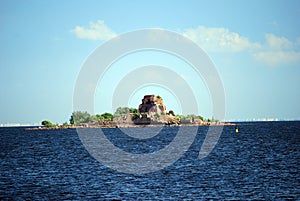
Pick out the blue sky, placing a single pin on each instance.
(255, 46)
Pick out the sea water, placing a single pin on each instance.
(259, 162)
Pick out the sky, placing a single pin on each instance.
(254, 45)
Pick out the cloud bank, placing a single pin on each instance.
(274, 51)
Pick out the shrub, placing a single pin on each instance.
(48, 124)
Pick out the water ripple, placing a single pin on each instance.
(261, 162)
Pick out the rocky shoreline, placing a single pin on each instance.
(127, 125)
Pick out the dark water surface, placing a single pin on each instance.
(261, 162)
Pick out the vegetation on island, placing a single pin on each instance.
(79, 117)
(127, 116)
(49, 124)
(83, 118)
(120, 111)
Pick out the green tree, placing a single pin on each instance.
(79, 117)
(200, 117)
(133, 110)
(99, 117)
(47, 124)
(107, 116)
(120, 111)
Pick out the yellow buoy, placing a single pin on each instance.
(236, 129)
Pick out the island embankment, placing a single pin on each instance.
(128, 125)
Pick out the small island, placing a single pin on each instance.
(151, 112)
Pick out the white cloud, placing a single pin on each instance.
(278, 51)
(219, 39)
(95, 31)
(277, 43)
(277, 58)
(274, 51)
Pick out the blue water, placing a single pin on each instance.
(261, 162)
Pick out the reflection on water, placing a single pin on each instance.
(261, 161)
